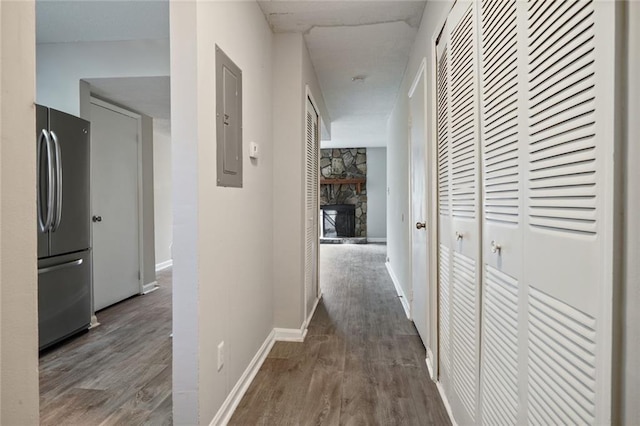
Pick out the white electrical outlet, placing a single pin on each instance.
(220, 355)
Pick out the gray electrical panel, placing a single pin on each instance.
(228, 121)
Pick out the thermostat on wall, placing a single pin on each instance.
(254, 151)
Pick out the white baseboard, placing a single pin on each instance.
(164, 265)
(290, 334)
(295, 334)
(430, 365)
(313, 311)
(445, 401)
(376, 240)
(230, 404)
(401, 295)
(148, 288)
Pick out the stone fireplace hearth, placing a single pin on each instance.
(343, 182)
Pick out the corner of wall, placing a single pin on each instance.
(19, 397)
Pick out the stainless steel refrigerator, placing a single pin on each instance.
(64, 241)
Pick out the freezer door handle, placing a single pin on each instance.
(58, 175)
(60, 266)
(46, 222)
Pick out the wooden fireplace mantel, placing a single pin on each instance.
(344, 181)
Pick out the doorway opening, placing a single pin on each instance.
(118, 367)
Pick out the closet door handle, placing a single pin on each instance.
(495, 247)
(458, 236)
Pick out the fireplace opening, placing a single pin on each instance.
(338, 220)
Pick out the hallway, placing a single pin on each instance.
(362, 362)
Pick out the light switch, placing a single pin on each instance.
(254, 150)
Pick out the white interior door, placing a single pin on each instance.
(502, 103)
(459, 210)
(419, 247)
(444, 208)
(312, 206)
(570, 192)
(114, 189)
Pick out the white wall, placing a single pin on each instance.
(162, 190)
(376, 193)
(398, 216)
(18, 264)
(223, 244)
(61, 66)
(630, 369)
(292, 71)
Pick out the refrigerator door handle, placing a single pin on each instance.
(41, 218)
(58, 173)
(60, 266)
(45, 223)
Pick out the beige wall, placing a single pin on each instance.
(18, 263)
(292, 72)
(223, 244)
(288, 215)
(61, 66)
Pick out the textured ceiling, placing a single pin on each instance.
(300, 16)
(346, 39)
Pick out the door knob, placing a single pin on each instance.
(495, 247)
(458, 236)
(421, 225)
(97, 218)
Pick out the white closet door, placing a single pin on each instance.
(312, 207)
(569, 206)
(503, 106)
(465, 208)
(444, 208)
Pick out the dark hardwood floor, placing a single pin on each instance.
(362, 362)
(117, 373)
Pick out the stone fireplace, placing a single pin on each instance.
(343, 183)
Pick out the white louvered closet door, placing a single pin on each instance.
(569, 195)
(503, 119)
(464, 196)
(545, 91)
(445, 239)
(312, 207)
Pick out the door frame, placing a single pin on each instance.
(307, 315)
(421, 73)
(120, 110)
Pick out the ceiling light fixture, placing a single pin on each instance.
(358, 79)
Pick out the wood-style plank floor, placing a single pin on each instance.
(117, 373)
(362, 362)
